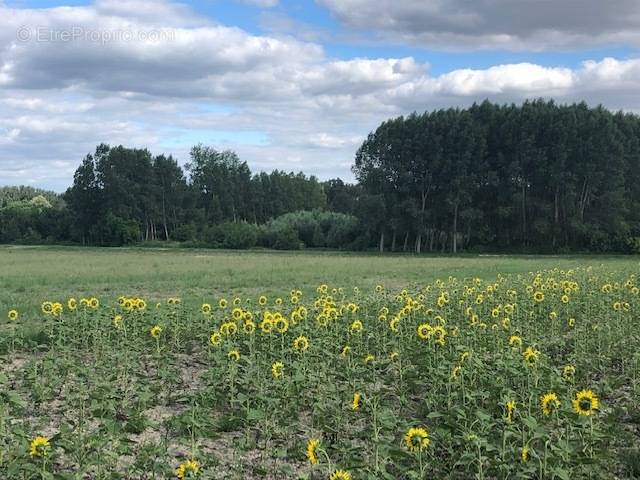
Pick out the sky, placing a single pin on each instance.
(288, 84)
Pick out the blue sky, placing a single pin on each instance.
(293, 85)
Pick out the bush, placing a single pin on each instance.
(286, 239)
(314, 229)
(238, 235)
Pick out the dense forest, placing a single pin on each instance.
(532, 177)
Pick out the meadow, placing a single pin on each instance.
(169, 363)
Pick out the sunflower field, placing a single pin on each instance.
(527, 376)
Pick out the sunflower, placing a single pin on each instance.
(393, 356)
(312, 446)
(282, 325)
(586, 403)
(531, 356)
(234, 355)
(456, 372)
(249, 327)
(228, 328)
(340, 475)
(277, 369)
(511, 408)
(538, 296)
(40, 447)
(345, 351)
(369, 358)
(188, 469)
(393, 324)
(301, 343)
(47, 308)
(262, 300)
(525, 455)
(72, 304)
(222, 303)
(568, 371)
(356, 326)
(425, 331)
(416, 439)
(13, 315)
(357, 400)
(215, 339)
(117, 321)
(156, 331)
(56, 309)
(266, 325)
(548, 403)
(515, 341)
(206, 308)
(237, 313)
(94, 303)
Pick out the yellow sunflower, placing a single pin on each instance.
(549, 402)
(357, 400)
(301, 343)
(215, 339)
(425, 331)
(586, 403)
(188, 469)
(416, 439)
(312, 446)
(40, 447)
(277, 369)
(356, 326)
(156, 331)
(340, 475)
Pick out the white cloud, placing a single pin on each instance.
(60, 99)
(508, 24)
(262, 3)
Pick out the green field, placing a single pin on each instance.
(143, 364)
(29, 275)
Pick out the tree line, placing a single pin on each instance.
(532, 177)
(538, 176)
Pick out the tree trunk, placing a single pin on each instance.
(406, 241)
(556, 216)
(524, 214)
(382, 241)
(455, 228)
(164, 217)
(583, 198)
(419, 243)
(393, 241)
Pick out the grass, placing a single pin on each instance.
(30, 274)
(439, 374)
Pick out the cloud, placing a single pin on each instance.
(262, 3)
(504, 24)
(278, 101)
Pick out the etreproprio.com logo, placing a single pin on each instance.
(42, 34)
